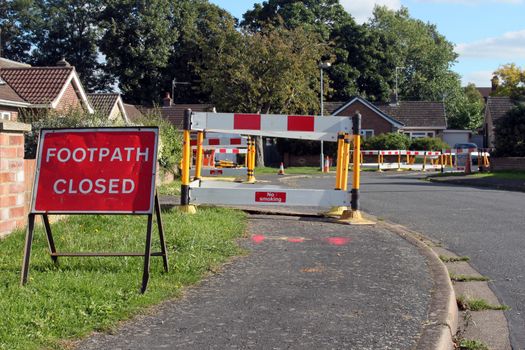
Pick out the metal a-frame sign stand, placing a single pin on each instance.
(54, 254)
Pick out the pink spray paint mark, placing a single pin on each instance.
(257, 239)
(295, 240)
(337, 240)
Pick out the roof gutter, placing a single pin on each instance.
(14, 103)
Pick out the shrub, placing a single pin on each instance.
(510, 133)
(73, 118)
(170, 142)
(389, 141)
(428, 144)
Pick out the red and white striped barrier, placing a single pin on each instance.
(390, 153)
(222, 141)
(231, 150)
(304, 127)
(370, 153)
(218, 172)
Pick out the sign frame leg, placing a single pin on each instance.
(161, 234)
(27, 249)
(50, 240)
(147, 255)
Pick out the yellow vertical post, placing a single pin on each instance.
(186, 162)
(339, 165)
(198, 158)
(251, 161)
(354, 216)
(346, 161)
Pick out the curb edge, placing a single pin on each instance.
(439, 331)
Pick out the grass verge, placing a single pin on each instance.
(62, 303)
(451, 259)
(476, 304)
(504, 175)
(466, 278)
(468, 344)
(169, 189)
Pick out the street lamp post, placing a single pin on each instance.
(322, 66)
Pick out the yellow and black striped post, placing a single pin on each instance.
(185, 206)
(198, 158)
(354, 216)
(250, 172)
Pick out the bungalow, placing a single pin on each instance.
(495, 108)
(110, 106)
(414, 118)
(36, 88)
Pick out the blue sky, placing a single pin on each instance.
(487, 33)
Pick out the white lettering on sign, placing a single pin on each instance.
(80, 155)
(99, 186)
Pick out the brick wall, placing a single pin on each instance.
(12, 178)
(69, 100)
(507, 163)
(12, 111)
(369, 118)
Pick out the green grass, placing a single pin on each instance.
(169, 189)
(505, 175)
(476, 304)
(62, 303)
(450, 259)
(468, 344)
(466, 278)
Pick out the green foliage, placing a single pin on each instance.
(137, 41)
(428, 144)
(73, 118)
(170, 142)
(389, 141)
(510, 133)
(465, 109)
(511, 79)
(80, 295)
(15, 42)
(469, 344)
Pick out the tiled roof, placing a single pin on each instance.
(5, 63)
(175, 113)
(497, 106)
(37, 85)
(103, 103)
(133, 112)
(8, 94)
(484, 91)
(331, 107)
(417, 113)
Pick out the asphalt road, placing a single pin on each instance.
(306, 284)
(486, 225)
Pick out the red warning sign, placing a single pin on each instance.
(104, 170)
(270, 197)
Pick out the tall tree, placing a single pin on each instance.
(15, 40)
(197, 22)
(68, 29)
(465, 110)
(511, 80)
(423, 53)
(271, 71)
(137, 41)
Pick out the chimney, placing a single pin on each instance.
(166, 101)
(63, 63)
(393, 99)
(494, 82)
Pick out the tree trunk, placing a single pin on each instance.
(259, 145)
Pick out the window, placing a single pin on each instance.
(5, 115)
(419, 134)
(366, 133)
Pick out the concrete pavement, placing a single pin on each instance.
(307, 283)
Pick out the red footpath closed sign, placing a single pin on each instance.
(104, 170)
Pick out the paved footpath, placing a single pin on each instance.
(306, 284)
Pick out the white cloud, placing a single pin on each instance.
(362, 10)
(479, 78)
(507, 47)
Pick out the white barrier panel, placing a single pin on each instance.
(269, 196)
(303, 127)
(211, 172)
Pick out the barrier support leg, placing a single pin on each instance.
(185, 206)
(399, 161)
(198, 158)
(251, 161)
(354, 216)
(343, 158)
